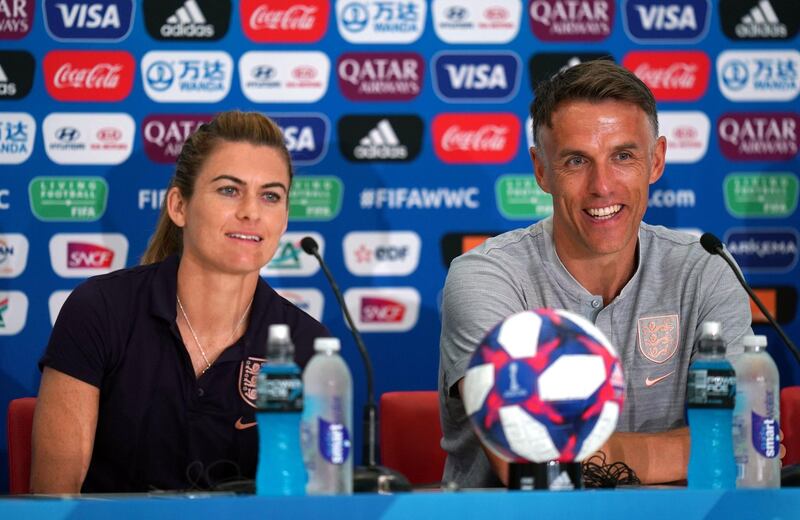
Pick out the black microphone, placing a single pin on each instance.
(713, 245)
(370, 478)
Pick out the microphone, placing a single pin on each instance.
(372, 477)
(713, 245)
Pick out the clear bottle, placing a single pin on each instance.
(756, 417)
(710, 396)
(279, 403)
(328, 421)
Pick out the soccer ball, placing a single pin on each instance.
(544, 385)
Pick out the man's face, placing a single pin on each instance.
(597, 161)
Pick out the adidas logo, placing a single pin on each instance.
(381, 143)
(761, 22)
(6, 88)
(562, 483)
(188, 21)
(3, 77)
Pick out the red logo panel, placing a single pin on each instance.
(89, 75)
(276, 21)
(671, 75)
(476, 138)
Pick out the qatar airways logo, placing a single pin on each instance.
(386, 309)
(16, 18)
(104, 76)
(476, 21)
(476, 138)
(759, 136)
(391, 76)
(164, 134)
(671, 75)
(78, 255)
(284, 21)
(571, 20)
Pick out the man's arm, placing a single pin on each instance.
(64, 426)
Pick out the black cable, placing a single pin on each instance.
(601, 475)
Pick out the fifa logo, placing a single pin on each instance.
(514, 390)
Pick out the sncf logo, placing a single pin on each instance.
(385, 309)
(89, 75)
(109, 20)
(671, 75)
(81, 255)
(382, 310)
(278, 21)
(476, 138)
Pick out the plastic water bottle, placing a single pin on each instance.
(328, 421)
(756, 428)
(279, 400)
(710, 396)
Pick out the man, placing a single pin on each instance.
(647, 288)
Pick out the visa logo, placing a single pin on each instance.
(647, 20)
(89, 16)
(305, 136)
(299, 139)
(81, 255)
(479, 77)
(667, 17)
(381, 310)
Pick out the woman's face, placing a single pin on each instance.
(238, 211)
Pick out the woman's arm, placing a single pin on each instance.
(63, 433)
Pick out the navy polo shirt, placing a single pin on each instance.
(160, 427)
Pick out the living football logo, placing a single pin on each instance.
(284, 21)
(571, 20)
(764, 75)
(759, 19)
(659, 21)
(389, 76)
(187, 19)
(306, 136)
(671, 75)
(81, 20)
(481, 77)
(476, 21)
(487, 138)
(381, 21)
(380, 138)
(759, 136)
(104, 76)
(16, 74)
(16, 18)
(187, 76)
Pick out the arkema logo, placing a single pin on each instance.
(759, 19)
(284, 21)
(482, 77)
(290, 259)
(380, 138)
(83, 138)
(759, 136)
(571, 20)
(16, 18)
(391, 253)
(88, 20)
(381, 21)
(660, 21)
(89, 75)
(393, 309)
(487, 138)
(306, 136)
(13, 254)
(164, 134)
(671, 75)
(764, 75)
(79, 255)
(687, 135)
(16, 74)
(187, 19)
(187, 76)
(284, 77)
(307, 300)
(476, 21)
(17, 137)
(763, 250)
(372, 76)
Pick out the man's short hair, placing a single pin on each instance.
(593, 81)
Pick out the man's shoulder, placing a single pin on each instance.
(670, 244)
(510, 242)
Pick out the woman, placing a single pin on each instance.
(149, 376)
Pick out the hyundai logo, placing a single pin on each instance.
(456, 13)
(67, 134)
(263, 72)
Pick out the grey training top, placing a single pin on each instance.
(653, 324)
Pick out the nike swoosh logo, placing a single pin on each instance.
(239, 425)
(650, 382)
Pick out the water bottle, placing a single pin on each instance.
(328, 421)
(710, 396)
(756, 437)
(279, 403)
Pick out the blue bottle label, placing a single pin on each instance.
(766, 438)
(279, 389)
(711, 388)
(334, 441)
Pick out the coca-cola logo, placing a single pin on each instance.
(759, 136)
(672, 76)
(88, 75)
(476, 138)
(284, 20)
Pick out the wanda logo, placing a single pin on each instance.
(284, 20)
(476, 138)
(89, 75)
(672, 76)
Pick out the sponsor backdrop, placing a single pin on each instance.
(407, 121)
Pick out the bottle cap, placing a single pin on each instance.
(327, 344)
(755, 342)
(278, 331)
(710, 328)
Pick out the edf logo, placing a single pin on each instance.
(109, 20)
(655, 21)
(306, 136)
(485, 77)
